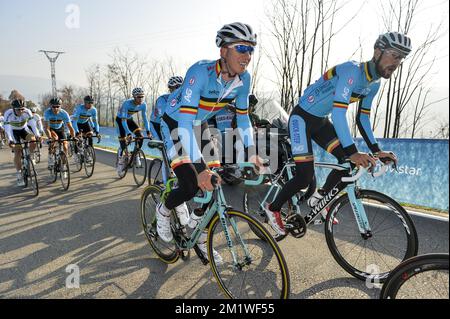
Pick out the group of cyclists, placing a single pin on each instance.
(219, 91)
(23, 124)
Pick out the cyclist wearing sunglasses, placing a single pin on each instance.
(208, 87)
(344, 84)
(55, 119)
(125, 123)
(84, 119)
(160, 106)
(17, 120)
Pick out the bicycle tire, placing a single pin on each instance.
(155, 172)
(275, 285)
(79, 161)
(64, 168)
(139, 171)
(32, 176)
(415, 267)
(53, 170)
(378, 270)
(37, 156)
(89, 160)
(166, 252)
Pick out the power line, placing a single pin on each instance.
(52, 60)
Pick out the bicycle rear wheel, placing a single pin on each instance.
(37, 155)
(393, 238)
(149, 199)
(260, 270)
(64, 171)
(420, 277)
(139, 168)
(155, 172)
(89, 160)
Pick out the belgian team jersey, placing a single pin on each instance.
(56, 121)
(83, 115)
(128, 109)
(335, 90)
(160, 107)
(203, 94)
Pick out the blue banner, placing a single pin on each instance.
(422, 177)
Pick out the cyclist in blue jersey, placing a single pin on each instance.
(125, 123)
(208, 87)
(331, 94)
(160, 106)
(55, 119)
(84, 119)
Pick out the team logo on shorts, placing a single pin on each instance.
(192, 81)
(311, 99)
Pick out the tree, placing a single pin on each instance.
(15, 95)
(408, 84)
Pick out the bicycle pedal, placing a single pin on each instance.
(185, 255)
(296, 226)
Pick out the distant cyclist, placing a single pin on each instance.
(17, 120)
(127, 126)
(208, 87)
(38, 121)
(55, 121)
(84, 119)
(2, 129)
(331, 94)
(160, 106)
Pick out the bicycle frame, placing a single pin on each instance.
(349, 185)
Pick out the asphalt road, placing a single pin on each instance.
(95, 228)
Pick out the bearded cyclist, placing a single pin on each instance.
(331, 94)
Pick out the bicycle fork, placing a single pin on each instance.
(359, 212)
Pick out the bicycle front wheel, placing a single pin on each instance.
(155, 172)
(251, 268)
(64, 171)
(89, 160)
(139, 168)
(420, 277)
(32, 178)
(393, 236)
(149, 199)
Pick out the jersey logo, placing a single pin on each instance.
(173, 102)
(346, 93)
(350, 81)
(311, 99)
(188, 95)
(192, 81)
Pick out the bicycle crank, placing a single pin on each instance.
(296, 225)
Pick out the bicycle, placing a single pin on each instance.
(84, 155)
(250, 268)
(137, 161)
(381, 223)
(28, 171)
(61, 164)
(420, 277)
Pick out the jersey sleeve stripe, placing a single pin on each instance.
(332, 145)
(304, 159)
(188, 110)
(340, 105)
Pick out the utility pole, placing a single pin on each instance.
(52, 60)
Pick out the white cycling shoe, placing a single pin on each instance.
(163, 223)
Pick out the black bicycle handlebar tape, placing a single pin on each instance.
(214, 180)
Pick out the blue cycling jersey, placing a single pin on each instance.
(160, 107)
(83, 115)
(203, 94)
(56, 121)
(335, 90)
(128, 109)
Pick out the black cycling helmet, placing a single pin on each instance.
(252, 100)
(18, 104)
(55, 101)
(88, 99)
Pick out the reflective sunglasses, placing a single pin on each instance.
(139, 97)
(56, 106)
(242, 48)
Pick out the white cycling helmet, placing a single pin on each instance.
(137, 91)
(175, 82)
(395, 40)
(235, 32)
